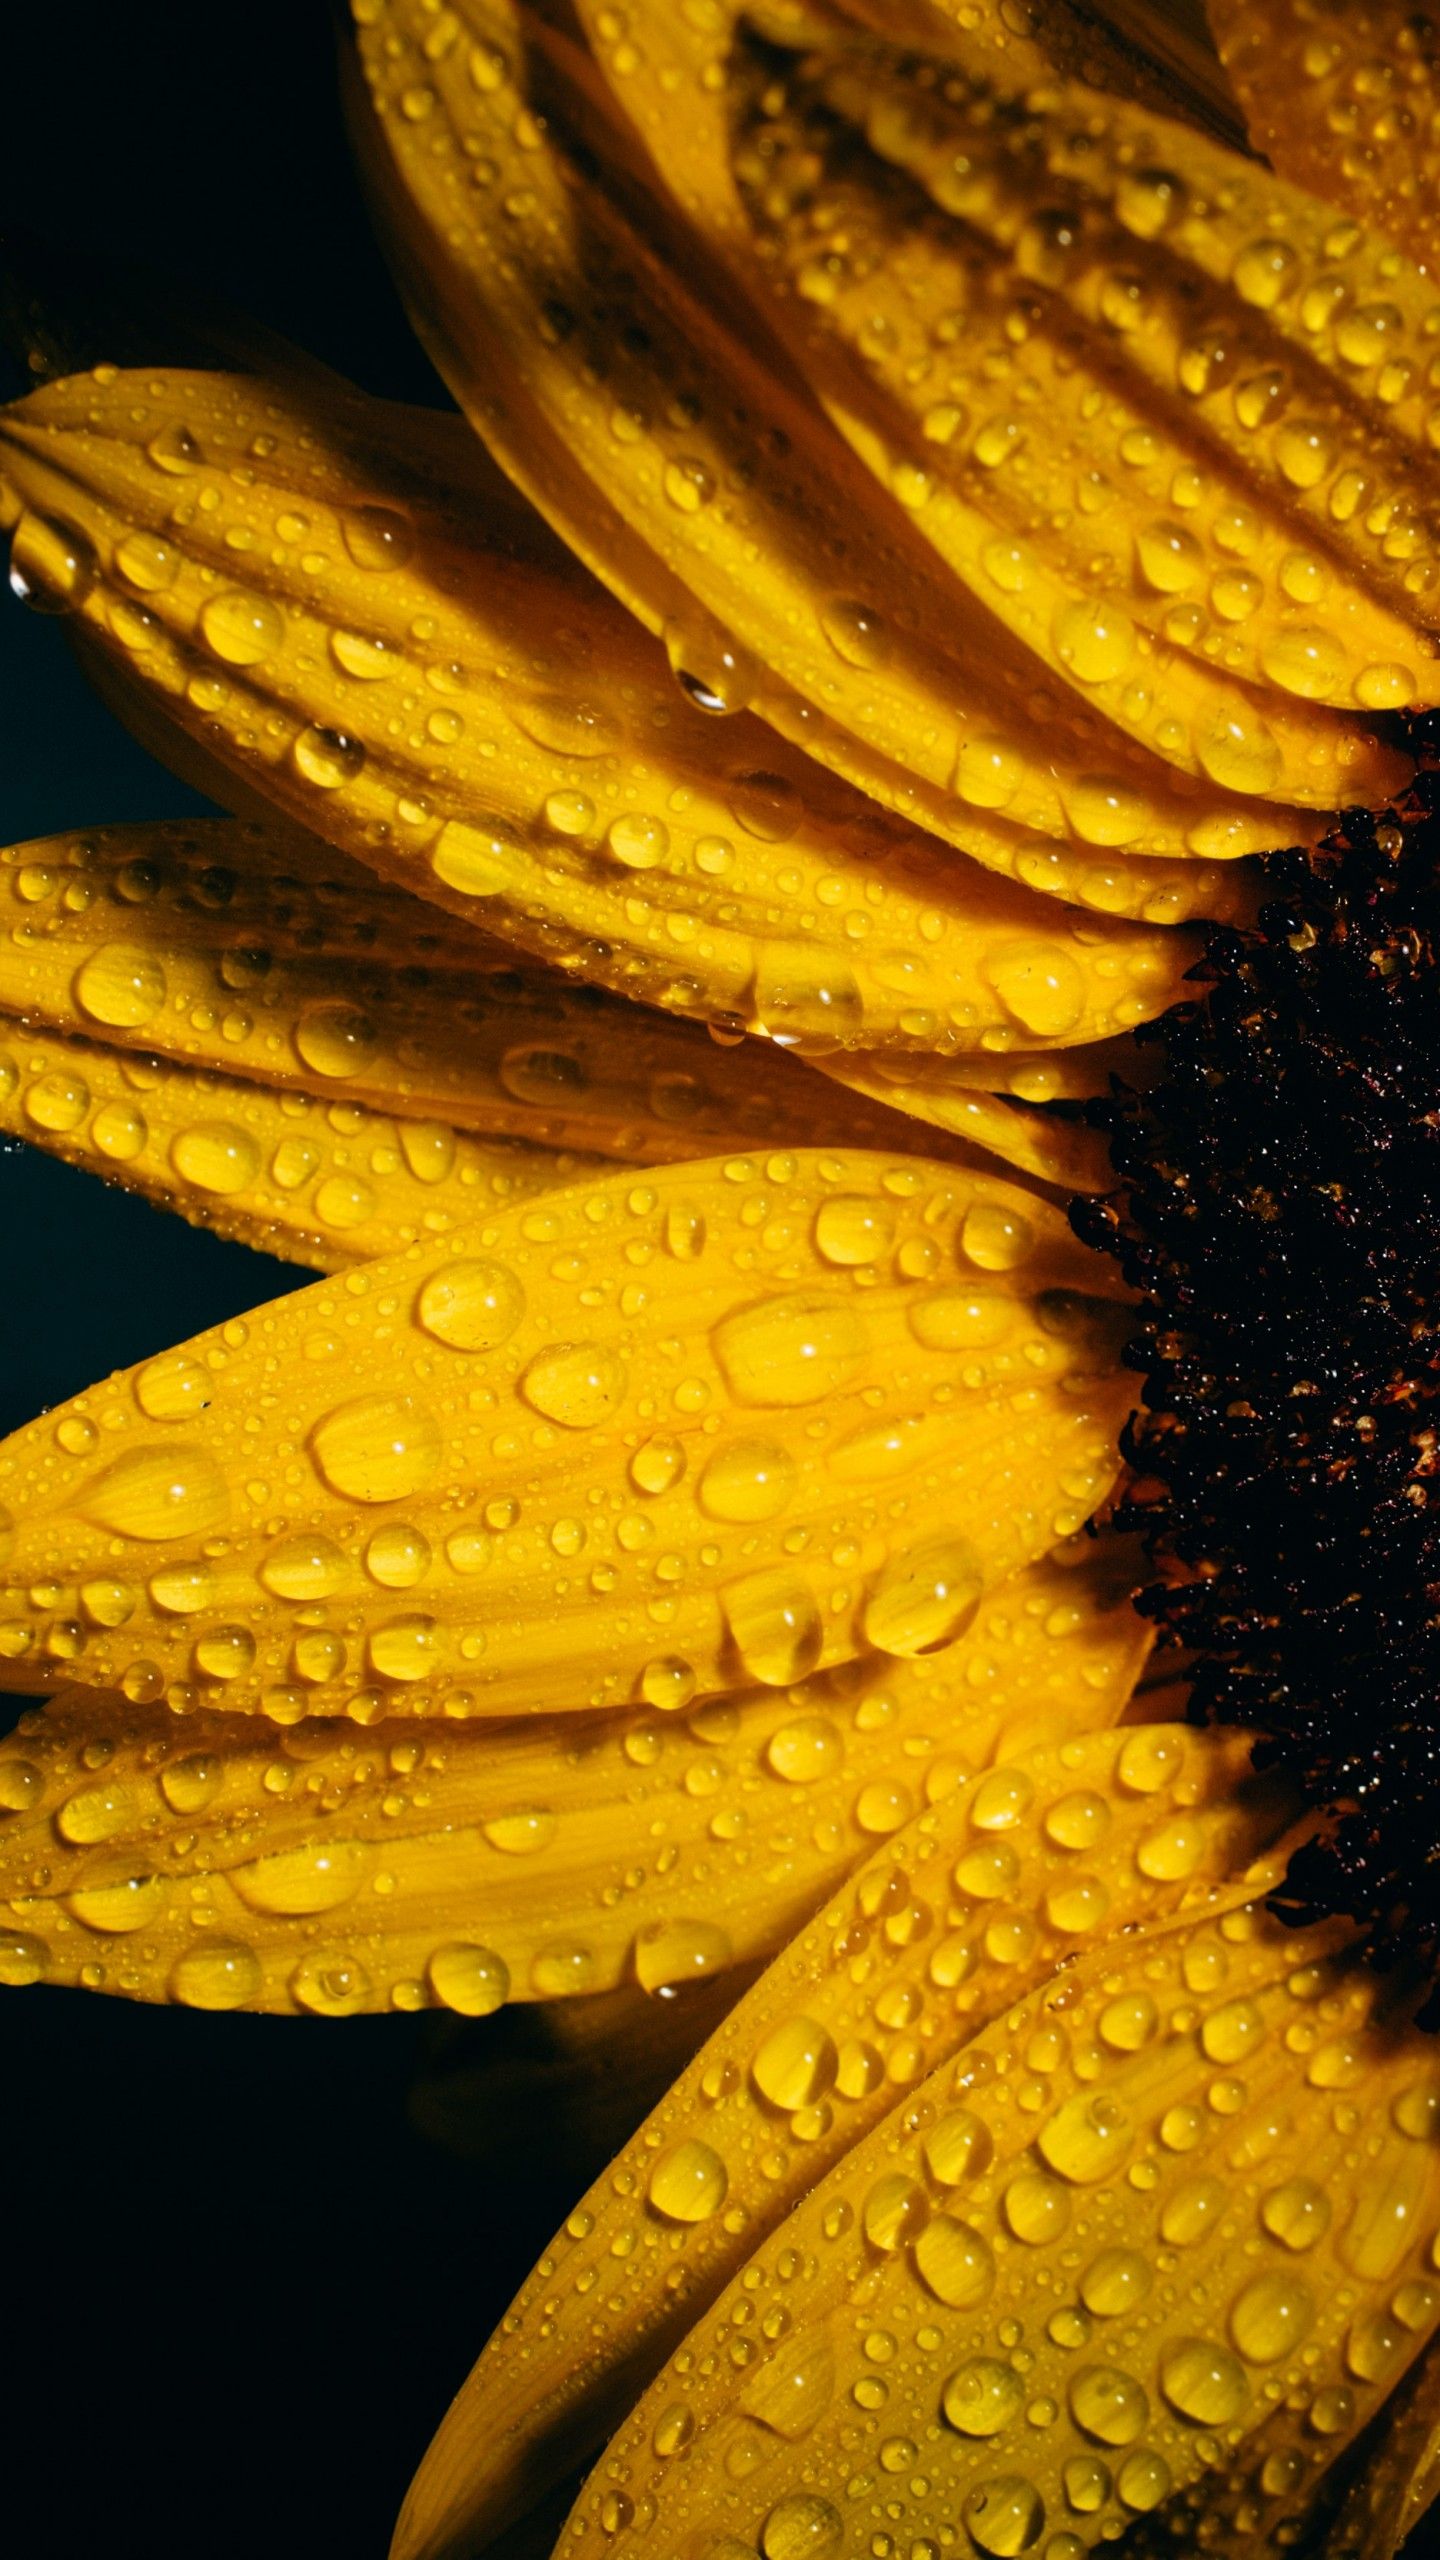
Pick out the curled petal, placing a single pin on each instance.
(655, 1437)
(950, 1925)
(466, 1866)
(325, 1185)
(322, 596)
(1130, 2224)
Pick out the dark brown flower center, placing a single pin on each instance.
(1279, 1218)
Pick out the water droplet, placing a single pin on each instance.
(120, 985)
(688, 2183)
(1115, 2282)
(775, 1626)
(749, 1480)
(336, 1040)
(96, 1813)
(175, 450)
(790, 1351)
(471, 1305)
(1108, 2404)
(173, 1387)
(219, 1973)
(791, 2393)
(472, 1980)
(327, 758)
(216, 1156)
(1203, 2382)
(852, 1230)
(117, 1909)
(378, 1448)
(955, 2262)
(156, 1493)
(356, 654)
(242, 628)
(806, 1750)
(657, 1464)
(1005, 2515)
(52, 566)
(295, 1882)
(856, 632)
(960, 2146)
(795, 2064)
(995, 1238)
(475, 860)
(577, 1384)
(925, 1598)
(668, 1683)
(802, 2528)
(404, 1648)
(1087, 2138)
(639, 842)
(1040, 986)
(1270, 2317)
(670, 1953)
(377, 537)
(331, 1983)
(23, 1960)
(806, 997)
(307, 1567)
(982, 2397)
(189, 1785)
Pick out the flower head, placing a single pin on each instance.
(960, 577)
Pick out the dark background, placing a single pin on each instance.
(239, 2285)
(241, 2272)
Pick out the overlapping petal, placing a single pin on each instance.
(653, 1437)
(267, 956)
(1342, 96)
(324, 1184)
(952, 1924)
(217, 1862)
(670, 445)
(321, 594)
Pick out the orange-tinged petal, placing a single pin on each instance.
(1343, 98)
(323, 1184)
(342, 619)
(703, 487)
(949, 1926)
(656, 1436)
(268, 956)
(1141, 2251)
(464, 1866)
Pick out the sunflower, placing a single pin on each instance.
(827, 942)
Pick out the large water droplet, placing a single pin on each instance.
(120, 985)
(155, 1493)
(924, 1598)
(775, 1625)
(378, 1448)
(472, 1305)
(688, 2183)
(790, 1351)
(577, 1384)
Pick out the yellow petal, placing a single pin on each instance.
(729, 1422)
(1399, 2476)
(1136, 2252)
(1294, 344)
(1061, 1152)
(950, 1925)
(705, 490)
(464, 1866)
(390, 661)
(324, 1186)
(1343, 100)
(267, 956)
(1077, 515)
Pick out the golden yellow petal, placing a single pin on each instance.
(338, 615)
(269, 956)
(705, 489)
(466, 1866)
(1061, 1152)
(1342, 97)
(953, 1923)
(1399, 2475)
(1158, 2243)
(1295, 345)
(323, 1184)
(658, 1437)
(1086, 520)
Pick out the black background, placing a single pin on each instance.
(239, 2282)
(238, 2286)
